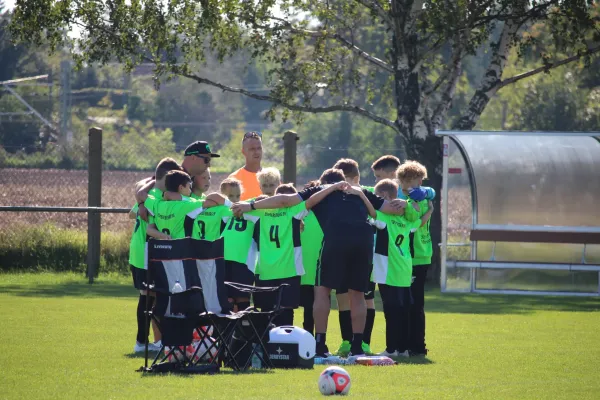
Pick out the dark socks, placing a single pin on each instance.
(321, 346)
(346, 325)
(369, 325)
(357, 339)
(309, 320)
(141, 320)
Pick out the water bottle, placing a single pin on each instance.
(177, 287)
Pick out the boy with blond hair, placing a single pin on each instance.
(269, 179)
(411, 175)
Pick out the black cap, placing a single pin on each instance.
(200, 148)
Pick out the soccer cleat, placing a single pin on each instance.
(404, 354)
(322, 351)
(344, 349)
(139, 347)
(366, 348)
(156, 346)
(385, 353)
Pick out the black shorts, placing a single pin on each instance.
(238, 273)
(346, 260)
(139, 277)
(369, 294)
(395, 296)
(290, 297)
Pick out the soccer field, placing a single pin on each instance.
(62, 338)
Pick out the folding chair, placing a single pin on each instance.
(198, 267)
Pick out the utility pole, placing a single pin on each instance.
(65, 102)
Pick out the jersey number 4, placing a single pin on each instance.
(274, 235)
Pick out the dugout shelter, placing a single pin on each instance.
(520, 212)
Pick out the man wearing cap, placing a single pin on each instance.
(196, 160)
(252, 151)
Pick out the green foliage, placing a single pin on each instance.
(565, 99)
(48, 248)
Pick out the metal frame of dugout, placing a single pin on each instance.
(533, 227)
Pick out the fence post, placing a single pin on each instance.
(94, 200)
(289, 156)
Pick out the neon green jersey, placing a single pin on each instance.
(208, 223)
(155, 196)
(392, 263)
(137, 246)
(238, 244)
(312, 241)
(196, 197)
(422, 247)
(277, 235)
(171, 216)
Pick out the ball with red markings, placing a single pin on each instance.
(334, 380)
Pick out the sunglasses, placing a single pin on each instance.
(205, 158)
(253, 134)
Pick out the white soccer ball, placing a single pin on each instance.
(334, 380)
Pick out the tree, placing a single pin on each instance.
(404, 58)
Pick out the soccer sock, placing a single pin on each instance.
(141, 320)
(369, 325)
(309, 320)
(346, 325)
(320, 338)
(357, 339)
(242, 305)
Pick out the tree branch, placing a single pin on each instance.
(546, 68)
(334, 36)
(374, 6)
(294, 107)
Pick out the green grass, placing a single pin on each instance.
(63, 338)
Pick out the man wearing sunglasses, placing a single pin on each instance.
(196, 160)
(252, 151)
(197, 157)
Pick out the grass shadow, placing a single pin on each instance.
(414, 360)
(471, 303)
(71, 289)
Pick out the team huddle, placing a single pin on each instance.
(332, 235)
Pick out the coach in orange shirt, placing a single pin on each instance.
(252, 151)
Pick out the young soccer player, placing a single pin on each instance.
(269, 179)
(385, 168)
(200, 185)
(352, 175)
(392, 271)
(240, 255)
(411, 175)
(137, 248)
(347, 251)
(176, 217)
(277, 235)
(312, 241)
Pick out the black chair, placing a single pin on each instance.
(187, 276)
